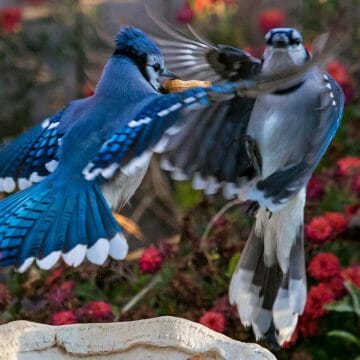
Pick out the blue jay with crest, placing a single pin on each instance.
(88, 158)
(263, 149)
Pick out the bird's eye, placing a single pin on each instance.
(156, 67)
(297, 41)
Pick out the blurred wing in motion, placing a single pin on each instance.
(212, 148)
(131, 147)
(194, 57)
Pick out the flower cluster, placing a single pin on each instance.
(324, 267)
(271, 18)
(326, 227)
(341, 74)
(151, 260)
(213, 320)
(94, 311)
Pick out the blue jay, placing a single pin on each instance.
(261, 149)
(88, 158)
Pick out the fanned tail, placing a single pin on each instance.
(269, 283)
(46, 222)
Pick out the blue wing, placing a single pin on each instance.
(32, 156)
(283, 183)
(132, 146)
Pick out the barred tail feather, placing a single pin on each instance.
(269, 283)
(44, 223)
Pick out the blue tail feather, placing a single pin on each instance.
(44, 221)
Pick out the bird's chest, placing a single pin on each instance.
(278, 125)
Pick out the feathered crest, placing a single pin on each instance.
(132, 41)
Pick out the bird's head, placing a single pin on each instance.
(284, 48)
(133, 43)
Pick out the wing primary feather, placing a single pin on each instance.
(183, 44)
(201, 38)
(170, 30)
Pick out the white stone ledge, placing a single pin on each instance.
(161, 338)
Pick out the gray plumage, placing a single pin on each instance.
(264, 150)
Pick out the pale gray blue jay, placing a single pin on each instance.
(263, 150)
(87, 159)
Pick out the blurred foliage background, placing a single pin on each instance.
(52, 52)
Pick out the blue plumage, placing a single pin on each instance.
(132, 41)
(67, 215)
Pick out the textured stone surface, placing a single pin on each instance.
(160, 339)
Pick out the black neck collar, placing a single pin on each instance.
(289, 89)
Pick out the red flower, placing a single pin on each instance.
(336, 284)
(151, 260)
(351, 210)
(337, 221)
(338, 71)
(54, 276)
(319, 229)
(213, 320)
(10, 19)
(352, 273)
(315, 188)
(222, 305)
(63, 318)
(293, 340)
(185, 14)
(271, 18)
(349, 165)
(5, 297)
(318, 296)
(308, 327)
(324, 266)
(349, 90)
(99, 311)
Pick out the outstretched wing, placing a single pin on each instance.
(279, 187)
(194, 57)
(210, 149)
(32, 156)
(132, 146)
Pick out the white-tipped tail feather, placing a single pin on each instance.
(269, 285)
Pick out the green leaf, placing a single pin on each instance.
(232, 263)
(355, 296)
(341, 306)
(186, 196)
(349, 337)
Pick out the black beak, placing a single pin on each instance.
(280, 40)
(167, 73)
